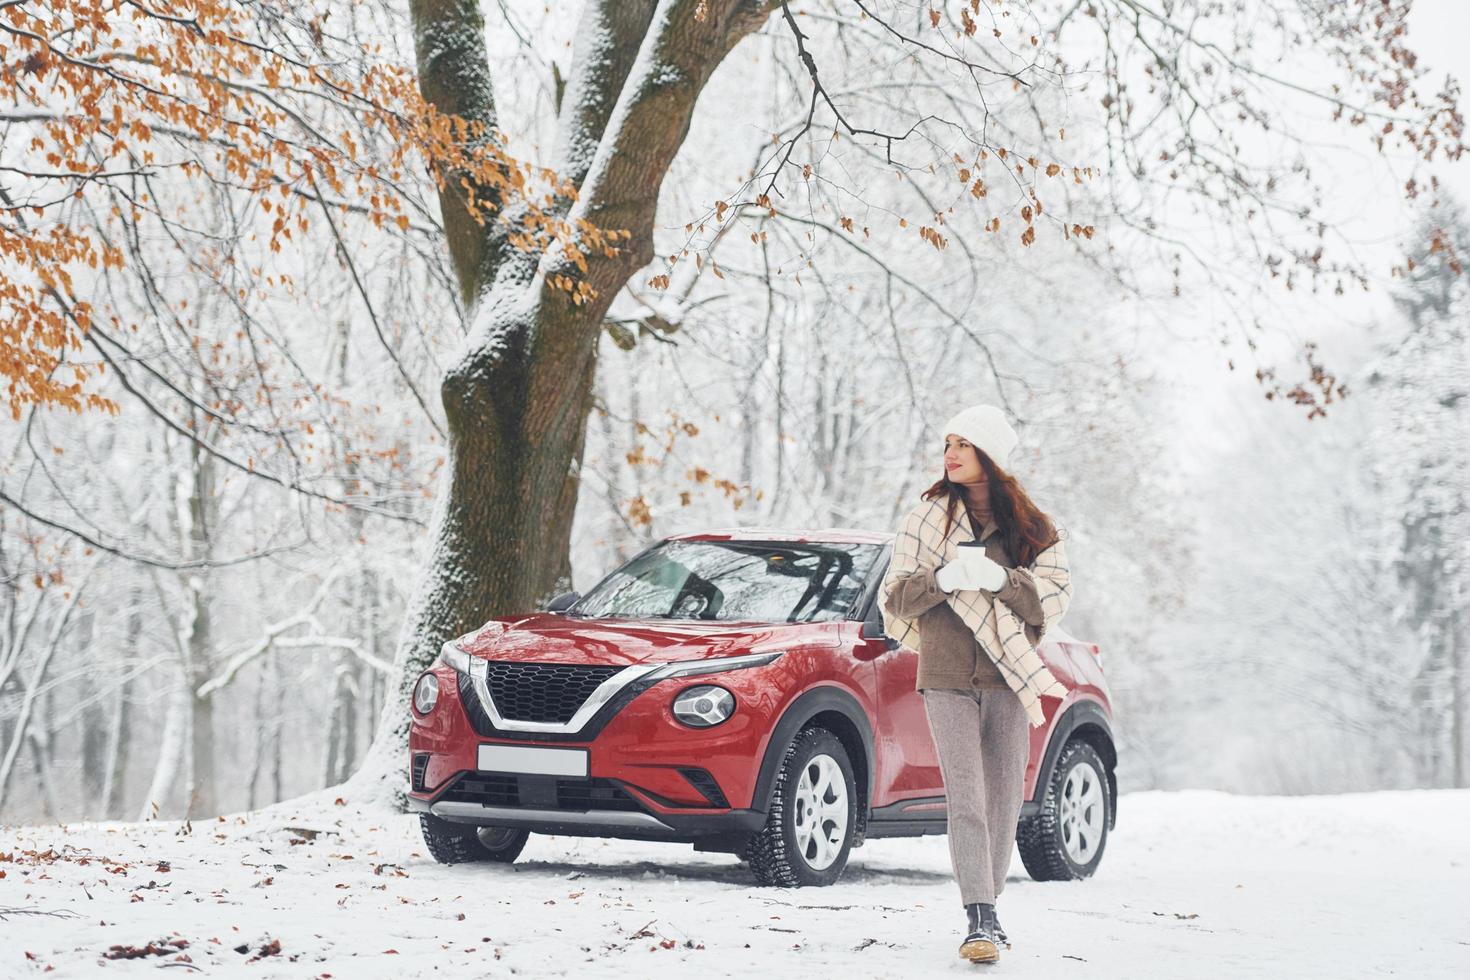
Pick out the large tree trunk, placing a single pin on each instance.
(267, 714)
(41, 758)
(94, 735)
(202, 799)
(164, 785)
(115, 781)
(1457, 697)
(518, 399)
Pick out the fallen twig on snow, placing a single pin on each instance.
(58, 913)
(872, 942)
(833, 908)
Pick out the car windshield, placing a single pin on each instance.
(744, 581)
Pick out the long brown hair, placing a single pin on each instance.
(1027, 531)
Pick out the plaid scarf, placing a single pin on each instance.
(921, 544)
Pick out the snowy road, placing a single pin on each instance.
(1196, 884)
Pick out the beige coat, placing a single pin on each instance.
(1007, 624)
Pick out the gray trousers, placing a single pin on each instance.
(983, 740)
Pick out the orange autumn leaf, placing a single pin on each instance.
(108, 93)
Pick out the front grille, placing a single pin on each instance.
(539, 792)
(480, 718)
(542, 692)
(485, 789)
(592, 794)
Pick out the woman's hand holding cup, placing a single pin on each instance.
(971, 569)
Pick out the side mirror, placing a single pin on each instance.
(563, 601)
(873, 630)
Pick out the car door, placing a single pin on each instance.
(908, 765)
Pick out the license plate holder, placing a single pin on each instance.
(532, 760)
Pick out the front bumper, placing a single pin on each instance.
(649, 776)
(632, 825)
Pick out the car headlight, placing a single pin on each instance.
(450, 655)
(426, 693)
(693, 668)
(704, 706)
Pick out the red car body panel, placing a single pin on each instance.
(909, 764)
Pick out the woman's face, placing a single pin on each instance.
(961, 463)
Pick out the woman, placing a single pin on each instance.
(978, 575)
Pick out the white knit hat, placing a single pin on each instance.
(986, 428)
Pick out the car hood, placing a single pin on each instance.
(552, 638)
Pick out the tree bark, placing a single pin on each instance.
(95, 727)
(115, 782)
(202, 799)
(1457, 697)
(170, 750)
(41, 759)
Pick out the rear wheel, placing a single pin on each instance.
(459, 843)
(809, 827)
(1067, 838)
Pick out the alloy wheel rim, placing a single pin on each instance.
(1080, 813)
(496, 838)
(821, 812)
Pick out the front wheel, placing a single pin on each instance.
(809, 827)
(1065, 841)
(459, 843)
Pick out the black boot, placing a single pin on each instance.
(996, 930)
(979, 946)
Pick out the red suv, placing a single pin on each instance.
(734, 690)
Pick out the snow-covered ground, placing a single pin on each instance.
(1195, 884)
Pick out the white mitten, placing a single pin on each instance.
(992, 575)
(971, 570)
(958, 574)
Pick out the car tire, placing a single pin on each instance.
(460, 843)
(809, 826)
(502, 844)
(1065, 841)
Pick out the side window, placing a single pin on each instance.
(870, 610)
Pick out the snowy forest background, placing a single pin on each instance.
(1280, 592)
